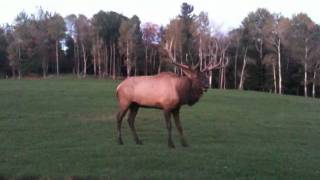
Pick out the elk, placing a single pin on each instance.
(166, 91)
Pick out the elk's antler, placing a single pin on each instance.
(216, 65)
(168, 48)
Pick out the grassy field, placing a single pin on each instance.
(67, 127)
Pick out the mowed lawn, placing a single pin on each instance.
(66, 127)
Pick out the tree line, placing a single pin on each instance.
(267, 52)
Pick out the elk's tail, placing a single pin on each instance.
(117, 90)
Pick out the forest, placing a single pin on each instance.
(267, 52)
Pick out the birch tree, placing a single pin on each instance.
(83, 31)
(276, 30)
(302, 37)
(56, 29)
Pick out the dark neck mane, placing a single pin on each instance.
(195, 93)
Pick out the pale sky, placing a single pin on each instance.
(225, 13)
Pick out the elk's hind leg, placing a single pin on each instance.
(131, 119)
(120, 116)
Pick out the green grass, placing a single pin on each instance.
(67, 127)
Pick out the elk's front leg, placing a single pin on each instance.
(167, 116)
(176, 116)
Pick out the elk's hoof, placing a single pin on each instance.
(171, 145)
(184, 143)
(120, 142)
(139, 142)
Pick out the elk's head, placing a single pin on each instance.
(198, 76)
(200, 79)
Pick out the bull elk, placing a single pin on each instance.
(166, 91)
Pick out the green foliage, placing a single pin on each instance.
(56, 27)
(64, 127)
(107, 25)
(187, 38)
(4, 62)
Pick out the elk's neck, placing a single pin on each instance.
(189, 92)
(195, 93)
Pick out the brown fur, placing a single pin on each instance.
(165, 91)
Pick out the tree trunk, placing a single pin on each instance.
(220, 78)
(314, 83)
(74, 60)
(175, 58)
(84, 60)
(19, 62)
(106, 73)
(44, 73)
(235, 66)
(110, 60)
(19, 73)
(243, 70)
(279, 66)
(94, 53)
(274, 77)
(44, 68)
(57, 57)
(159, 67)
(146, 61)
(128, 60)
(306, 73)
(78, 61)
(99, 61)
(210, 79)
(200, 53)
(114, 61)
(224, 76)
(181, 59)
(135, 64)
(13, 70)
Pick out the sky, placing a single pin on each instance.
(226, 14)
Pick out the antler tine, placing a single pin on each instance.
(211, 66)
(216, 65)
(172, 59)
(168, 49)
(196, 66)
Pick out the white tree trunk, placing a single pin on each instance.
(243, 70)
(174, 58)
(146, 61)
(19, 62)
(274, 77)
(200, 53)
(314, 84)
(98, 61)
(279, 66)
(306, 73)
(128, 60)
(84, 60)
(110, 59)
(114, 61)
(106, 72)
(210, 79)
(57, 57)
(235, 66)
(94, 53)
